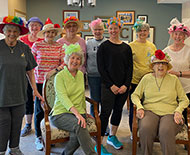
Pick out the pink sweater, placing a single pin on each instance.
(82, 44)
(48, 57)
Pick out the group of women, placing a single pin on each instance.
(113, 69)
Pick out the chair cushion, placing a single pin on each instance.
(57, 133)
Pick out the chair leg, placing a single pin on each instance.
(188, 148)
(47, 148)
(99, 145)
(134, 144)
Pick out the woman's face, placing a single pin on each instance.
(114, 31)
(160, 68)
(143, 33)
(34, 27)
(178, 37)
(74, 62)
(98, 32)
(50, 35)
(71, 28)
(11, 34)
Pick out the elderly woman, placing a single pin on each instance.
(72, 26)
(115, 65)
(49, 56)
(94, 80)
(16, 61)
(69, 111)
(160, 112)
(141, 49)
(180, 54)
(34, 25)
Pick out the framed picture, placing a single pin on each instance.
(87, 37)
(104, 20)
(124, 32)
(19, 14)
(86, 27)
(128, 17)
(68, 13)
(143, 18)
(151, 36)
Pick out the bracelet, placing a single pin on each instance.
(56, 70)
(180, 74)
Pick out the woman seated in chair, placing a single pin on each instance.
(69, 111)
(160, 113)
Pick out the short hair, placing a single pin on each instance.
(10, 26)
(96, 22)
(143, 26)
(80, 54)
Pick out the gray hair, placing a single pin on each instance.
(7, 26)
(144, 26)
(80, 54)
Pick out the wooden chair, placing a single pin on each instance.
(51, 134)
(181, 138)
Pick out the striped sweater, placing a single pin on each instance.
(48, 57)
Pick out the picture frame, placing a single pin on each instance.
(86, 27)
(104, 20)
(143, 18)
(151, 37)
(127, 17)
(68, 13)
(19, 13)
(87, 37)
(123, 32)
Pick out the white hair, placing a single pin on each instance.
(7, 26)
(80, 54)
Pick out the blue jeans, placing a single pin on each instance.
(95, 91)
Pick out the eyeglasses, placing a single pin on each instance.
(163, 63)
(98, 29)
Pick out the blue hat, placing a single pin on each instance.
(34, 19)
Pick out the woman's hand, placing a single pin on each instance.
(89, 116)
(114, 89)
(37, 94)
(122, 89)
(49, 74)
(81, 120)
(178, 118)
(140, 113)
(174, 73)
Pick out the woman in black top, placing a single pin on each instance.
(115, 65)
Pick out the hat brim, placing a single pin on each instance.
(23, 30)
(169, 65)
(41, 33)
(80, 25)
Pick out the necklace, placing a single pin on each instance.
(159, 86)
(12, 48)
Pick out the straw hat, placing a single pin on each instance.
(13, 20)
(73, 19)
(160, 56)
(48, 27)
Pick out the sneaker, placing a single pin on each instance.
(25, 131)
(103, 150)
(112, 140)
(15, 151)
(39, 144)
(107, 131)
(131, 137)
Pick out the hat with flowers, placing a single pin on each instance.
(160, 56)
(72, 48)
(139, 24)
(114, 21)
(48, 26)
(14, 20)
(177, 26)
(72, 19)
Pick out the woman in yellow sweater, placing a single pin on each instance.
(160, 113)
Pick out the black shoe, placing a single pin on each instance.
(63, 153)
(106, 133)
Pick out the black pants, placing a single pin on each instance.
(30, 102)
(38, 113)
(133, 86)
(111, 102)
(185, 111)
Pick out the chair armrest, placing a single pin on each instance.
(46, 114)
(96, 115)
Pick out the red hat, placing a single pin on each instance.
(13, 20)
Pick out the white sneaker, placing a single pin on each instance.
(39, 144)
(131, 137)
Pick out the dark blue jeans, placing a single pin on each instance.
(95, 91)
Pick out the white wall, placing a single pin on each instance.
(3, 11)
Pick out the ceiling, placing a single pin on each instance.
(172, 1)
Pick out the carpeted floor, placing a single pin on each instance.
(28, 147)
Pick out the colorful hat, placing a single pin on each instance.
(13, 20)
(49, 26)
(114, 21)
(72, 19)
(160, 56)
(72, 48)
(139, 24)
(98, 21)
(177, 26)
(34, 19)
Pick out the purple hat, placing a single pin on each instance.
(34, 19)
